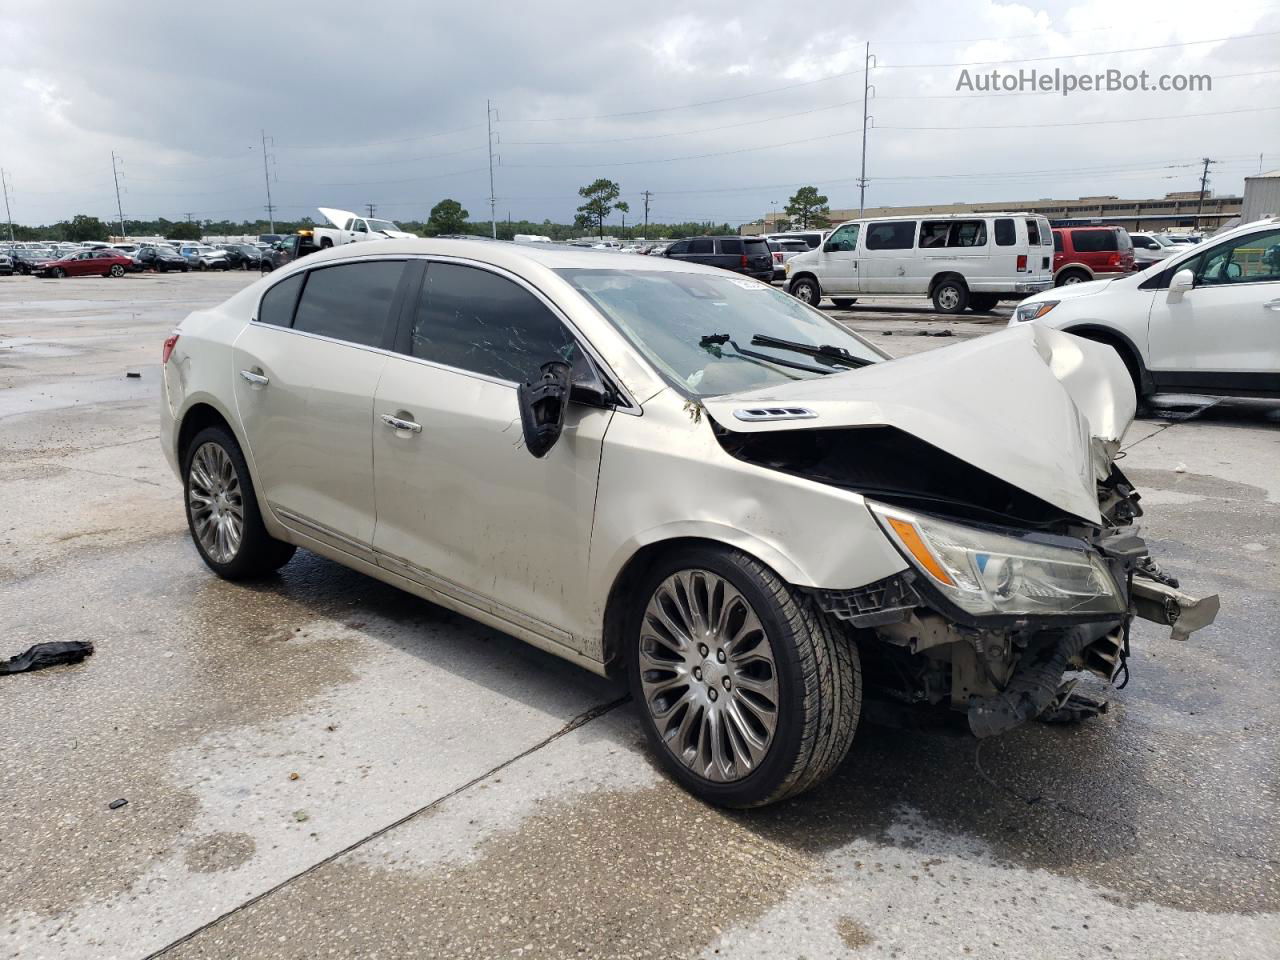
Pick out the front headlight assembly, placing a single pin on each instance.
(1033, 311)
(985, 573)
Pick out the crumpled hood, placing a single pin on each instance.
(1041, 409)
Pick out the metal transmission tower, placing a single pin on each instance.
(115, 175)
(647, 194)
(266, 176)
(4, 184)
(1204, 181)
(867, 91)
(490, 115)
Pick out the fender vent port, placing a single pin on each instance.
(775, 413)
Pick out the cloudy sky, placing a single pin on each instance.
(718, 108)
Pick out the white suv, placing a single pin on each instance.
(958, 260)
(1205, 320)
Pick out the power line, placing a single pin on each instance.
(687, 106)
(361, 144)
(1085, 123)
(1074, 56)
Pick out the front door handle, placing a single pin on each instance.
(395, 423)
(257, 379)
(1272, 304)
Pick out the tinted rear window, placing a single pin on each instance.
(891, 235)
(1094, 241)
(350, 302)
(1006, 236)
(702, 245)
(278, 302)
(756, 246)
(731, 246)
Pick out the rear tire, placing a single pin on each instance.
(1068, 277)
(844, 303)
(802, 675)
(117, 271)
(983, 302)
(222, 509)
(950, 296)
(807, 289)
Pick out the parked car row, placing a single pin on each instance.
(94, 258)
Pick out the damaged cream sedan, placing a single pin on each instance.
(675, 474)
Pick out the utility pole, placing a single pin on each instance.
(647, 194)
(371, 207)
(4, 183)
(266, 176)
(866, 94)
(490, 114)
(115, 175)
(1204, 180)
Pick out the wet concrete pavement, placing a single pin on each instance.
(319, 765)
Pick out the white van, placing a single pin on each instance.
(958, 260)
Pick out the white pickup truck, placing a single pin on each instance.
(350, 227)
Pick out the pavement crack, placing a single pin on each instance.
(1174, 420)
(580, 720)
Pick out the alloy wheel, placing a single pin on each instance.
(216, 503)
(708, 675)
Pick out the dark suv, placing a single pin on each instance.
(749, 255)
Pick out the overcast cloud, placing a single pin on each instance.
(385, 102)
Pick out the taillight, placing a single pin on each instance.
(777, 258)
(1113, 260)
(744, 261)
(169, 344)
(1022, 262)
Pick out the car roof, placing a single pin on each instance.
(512, 256)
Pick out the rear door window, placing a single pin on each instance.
(1006, 235)
(1057, 242)
(891, 235)
(1033, 232)
(1094, 241)
(702, 245)
(351, 301)
(477, 321)
(278, 303)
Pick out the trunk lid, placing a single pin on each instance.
(1041, 409)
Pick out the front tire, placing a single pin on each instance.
(807, 289)
(222, 509)
(747, 692)
(950, 296)
(844, 303)
(59, 273)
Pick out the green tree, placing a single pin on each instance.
(599, 197)
(808, 208)
(84, 227)
(447, 216)
(184, 230)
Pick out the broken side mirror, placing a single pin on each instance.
(542, 405)
(1180, 283)
(543, 402)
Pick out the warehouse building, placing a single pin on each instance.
(1175, 212)
(1261, 196)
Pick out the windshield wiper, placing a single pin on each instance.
(713, 342)
(823, 351)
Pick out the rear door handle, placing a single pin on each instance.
(257, 379)
(1272, 304)
(395, 423)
